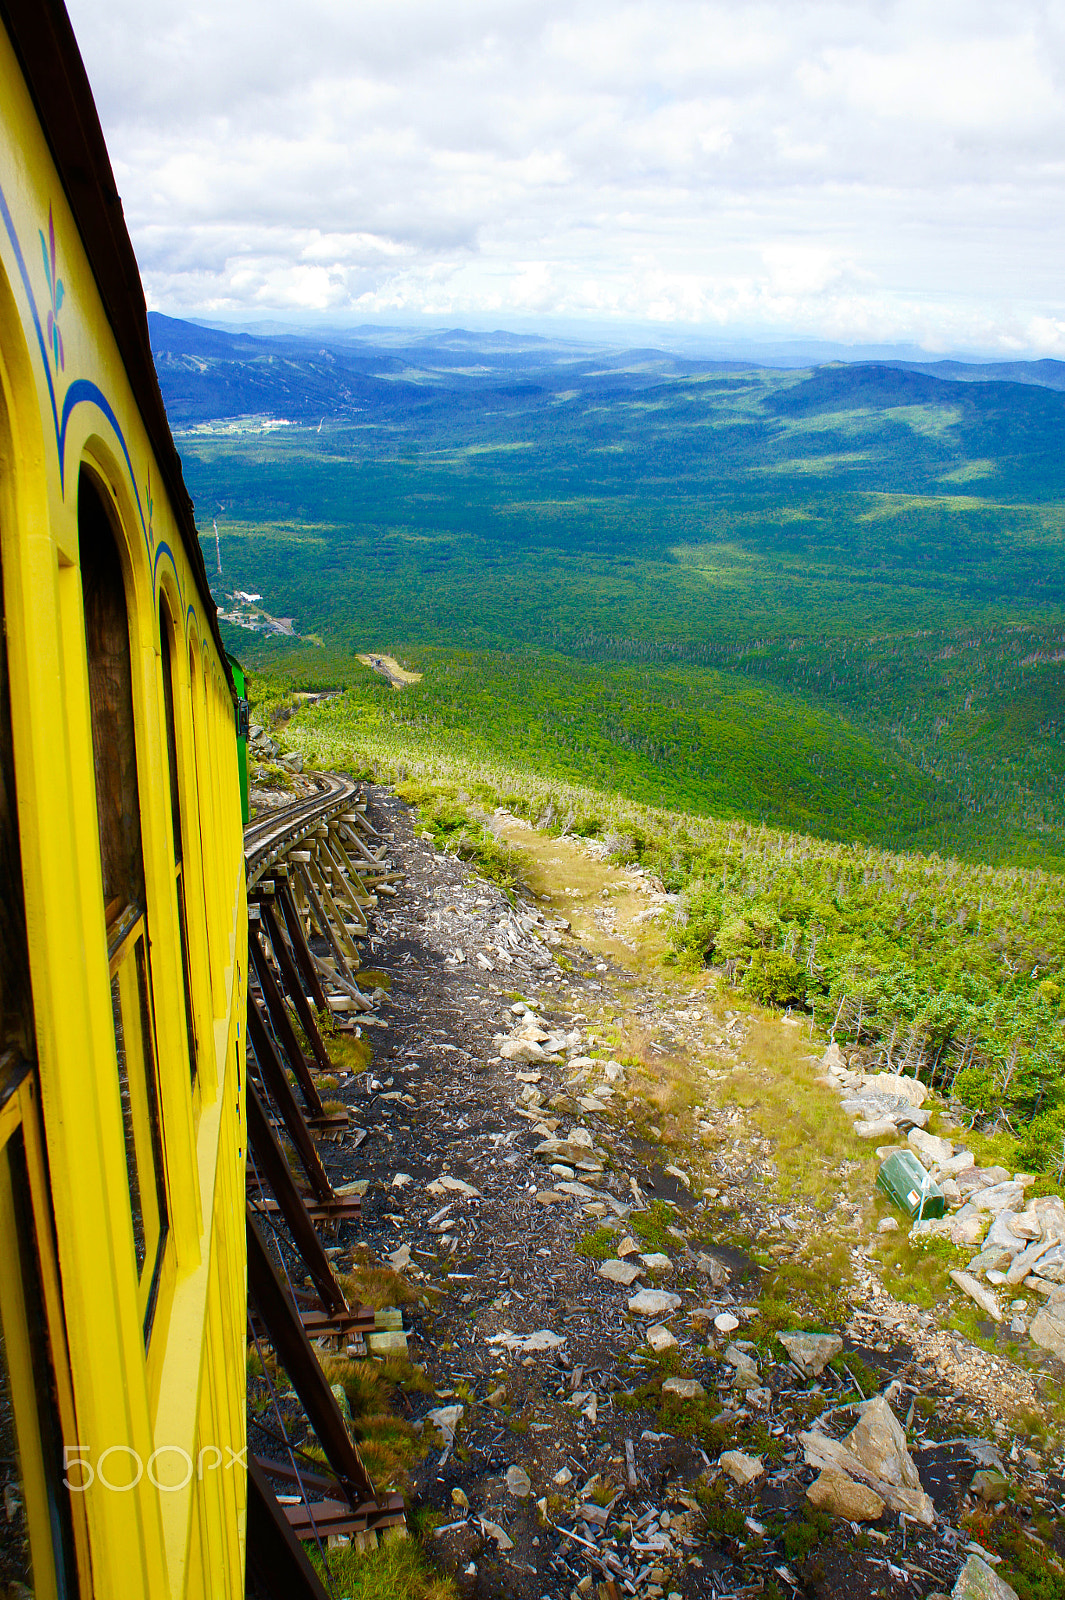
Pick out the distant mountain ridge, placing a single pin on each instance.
(1046, 374)
(210, 374)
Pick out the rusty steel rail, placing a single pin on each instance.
(312, 870)
(268, 839)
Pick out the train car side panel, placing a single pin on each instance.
(128, 810)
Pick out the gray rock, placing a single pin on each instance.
(960, 1162)
(883, 1128)
(893, 1083)
(978, 1581)
(875, 1452)
(521, 1050)
(623, 1272)
(745, 1369)
(657, 1261)
(976, 1291)
(1052, 1265)
(1050, 1209)
(840, 1496)
(684, 1388)
(1000, 1197)
(712, 1268)
(872, 1107)
(965, 1227)
(811, 1352)
(991, 1259)
(990, 1486)
(740, 1467)
(1027, 1261)
(1028, 1225)
(447, 1419)
(654, 1303)
(981, 1178)
(519, 1484)
(1000, 1235)
(492, 1530)
(930, 1150)
(1048, 1328)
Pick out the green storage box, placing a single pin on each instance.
(907, 1184)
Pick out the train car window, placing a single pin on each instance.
(16, 1011)
(118, 811)
(200, 763)
(166, 629)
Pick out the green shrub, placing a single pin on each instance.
(775, 978)
(976, 1088)
(1043, 1145)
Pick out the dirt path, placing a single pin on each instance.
(571, 1466)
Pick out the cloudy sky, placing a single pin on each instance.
(870, 171)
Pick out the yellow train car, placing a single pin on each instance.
(123, 922)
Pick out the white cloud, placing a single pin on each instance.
(866, 170)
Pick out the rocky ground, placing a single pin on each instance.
(613, 1411)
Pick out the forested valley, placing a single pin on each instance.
(795, 638)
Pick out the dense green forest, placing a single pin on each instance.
(773, 631)
(943, 968)
(834, 600)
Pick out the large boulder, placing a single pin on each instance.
(1007, 1196)
(1048, 1327)
(978, 1581)
(993, 1258)
(895, 1083)
(1052, 1265)
(1000, 1235)
(1050, 1209)
(973, 1178)
(576, 1150)
(930, 1150)
(840, 1496)
(521, 1050)
(874, 1452)
(1030, 1260)
(713, 1268)
(1028, 1225)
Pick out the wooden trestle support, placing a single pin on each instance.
(312, 872)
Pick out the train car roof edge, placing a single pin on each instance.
(43, 39)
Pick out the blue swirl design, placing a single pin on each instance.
(84, 392)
